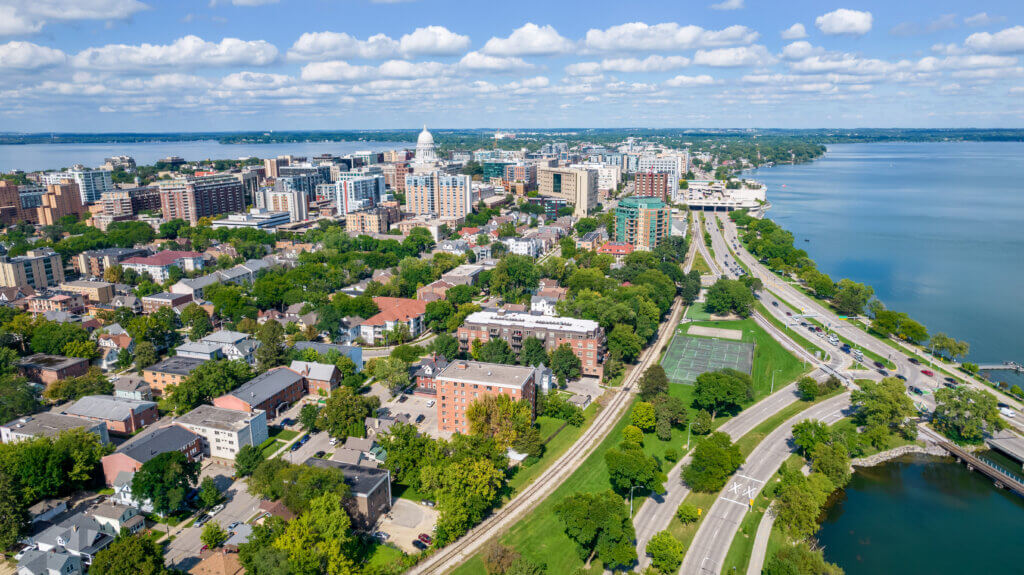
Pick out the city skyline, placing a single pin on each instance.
(126, 65)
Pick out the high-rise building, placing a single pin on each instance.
(445, 196)
(521, 172)
(10, 203)
(61, 199)
(37, 269)
(295, 202)
(642, 222)
(272, 165)
(394, 175)
(92, 184)
(425, 151)
(191, 198)
(578, 187)
(652, 185)
(354, 194)
(673, 163)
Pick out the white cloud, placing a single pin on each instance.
(528, 84)
(341, 71)
(639, 36)
(434, 41)
(254, 81)
(529, 40)
(843, 64)
(406, 69)
(484, 62)
(982, 19)
(332, 45)
(583, 69)
(29, 16)
(794, 32)
(28, 56)
(1008, 40)
(844, 21)
(190, 51)
(335, 71)
(728, 5)
(734, 57)
(680, 81)
(253, 2)
(799, 50)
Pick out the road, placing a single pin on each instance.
(448, 558)
(707, 552)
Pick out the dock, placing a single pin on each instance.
(1005, 366)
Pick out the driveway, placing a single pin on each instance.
(406, 521)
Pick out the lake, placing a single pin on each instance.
(936, 228)
(923, 515)
(31, 157)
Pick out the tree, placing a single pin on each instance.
(198, 321)
(213, 535)
(965, 415)
(726, 389)
(437, 314)
(14, 517)
(533, 352)
(624, 343)
(800, 559)
(600, 525)
(822, 285)
(833, 461)
(729, 296)
(308, 416)
(407, 450)
(344, 413)
(93, 382)
(391, 372)
(17, 396)
(643, 416)
(466, 489)
(84, 349)
(564, 364)
(145, 355)
(808, 388)
(851, 297)
(209, 495)
(495, 351)
(714, 460)
(51, 337)
(513, 276)
(500, 417)
(885, 404)
(207, 381)
(949, 347)
(165, 480)
(320, 540)
(247, 460)
(687, 513)
(130, 555)
(808, 434)
(653, 382)
(629, 466)
(271, 352)
(666, 552)
(702, 423)
(444, 345)
(799, 502)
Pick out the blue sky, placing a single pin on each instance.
(149, 65)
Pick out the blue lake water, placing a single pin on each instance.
(31, 157)
(936, 228)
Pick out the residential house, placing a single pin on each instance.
(122, 495)
(543, 305)
(132, 386)
(46, 510)
(131, 455)
(129, 301)
(79, 535)
(618, 250)
(113, 517)
(524, 246)
(592, 240)
(158, 266)
(270, 391)
(394, 311)
(434, 291)
(424, 374)
(170, 371)
(48, 424)
(219, 563)
(244, 273)
(53, 562)
(225, 431)
(232, 345)
(112, 347)
(321, 378)
(123, 416)
(48, 369)
(454, 247)
(371, 488)
(354, 353)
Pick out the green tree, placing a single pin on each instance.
(308, 416)
(271, 352)
(629, 466)
(407, 452)
(600, 525)
(808, 434)
(391, 372)
(513, 276)
(437, 314)
(564, 364)
(702, 422)
(533, 352)
(85, 349)
(145, 355)
(499, 417)
(799, 502)
(52, 337)
(495, 351)
(808, 388)
(715, 459)
(723, 390)
(198, 321)
(632, 434)
(653, 382)
(209, 495)
(466, 489)
(14, 517)
(207, 381)
(130, 554)
(624, 343)
(885, 404)
(213, 535)
(851, 297)
(729, 296)
(344, 413)
(643, 416)
(666, 552)
(17, 397)
(445, 345)
(687, 513)
(320, 540)
(833, 461)
(93, 382)
(800, 559)
(165, 480)
(247, 460)
(965, 415)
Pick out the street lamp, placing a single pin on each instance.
(631, 488)
(773, 382)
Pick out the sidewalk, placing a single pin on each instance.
(760, 550)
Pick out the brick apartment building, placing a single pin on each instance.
(463, 382)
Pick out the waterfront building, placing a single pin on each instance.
(92, 184)
(38, 268)
(642, 222)
(578, 187)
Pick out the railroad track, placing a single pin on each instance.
(448, 558)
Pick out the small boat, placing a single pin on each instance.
(806, 240)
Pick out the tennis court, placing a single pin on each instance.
(687, 357)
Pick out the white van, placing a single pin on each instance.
(857, 355)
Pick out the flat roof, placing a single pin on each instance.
(266, 385)
(47, 424)
(108, 407)
(478, 372)
(217, 418)
(527, 320)
(362, 480)
(55, 362)
(161, 440)
(177, 365)
(87, 284)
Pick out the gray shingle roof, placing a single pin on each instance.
(146, 447)
(108, 407)
(266, 385)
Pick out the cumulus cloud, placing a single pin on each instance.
(1008, 40)
(190, 51)
(653, 63)
(484, 62)
(29, 16)
(799, 50)
(431, 40)
(844, 21)
(733, 57)
(728, 5)
(529, 40)
(434, 41)
(794, 32)
(254, 81)
(341, 71)
(681, 81)
(334, 71)
(668, 36)
(28, 56)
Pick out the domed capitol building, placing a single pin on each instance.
(425, 151)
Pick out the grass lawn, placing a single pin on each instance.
(700, 264)
(794, 334)
(685, 533)
(384, 559)
(268, 447)
(847, 425)
(769, 356)
(406, 492)
(284, 434)
(696, 312)
(554, 448)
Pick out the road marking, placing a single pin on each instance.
(750, 478)
(734, 501)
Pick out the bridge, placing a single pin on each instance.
(1001, 477)
(1009, 444)
(1006, 365)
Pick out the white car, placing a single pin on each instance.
(334, 441)
(1007, 412)
(430, 403)
(216, 510)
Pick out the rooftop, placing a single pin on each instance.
(217, 418)
(164, 258)
(478, 372)
(530, 321)
(164, 296)
(362, 480)
(177, 365)
(108, 407)
(266, 385)
(396, 309)
(54, 362)
(161, 440)
(47, 424)
(313, 370)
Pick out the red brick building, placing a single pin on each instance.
(463, 382)
(133, 454)
(48, 369)
(652, 185)
(270, 391)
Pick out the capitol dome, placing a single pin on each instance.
(425, 152)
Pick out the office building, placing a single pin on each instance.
(61, 199)
(463, 382)
(37, 269)
(295, 202)
(354, 194)
(92, 184)
(394, 175)
(225, 431)
(523, 173)
(577, 186)
(642, 222)
(190, 198)
(256, 218)
(442, 195)
(585, 337)
(673, 164)
(653, 185)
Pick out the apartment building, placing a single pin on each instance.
(37, 269)
(61, 199)
(270, 391)
(133, 454)
(652, 185)
(376, 220)
(394, 311)
(151, 303)
(463, 382)
(68, 302)
(159, 265)
(585, 337)
(355, 194)
(95, 292)
(92, 184)
(190, 198)
(170, 371)
(93, 263)
(642, 222)
(121, 415)
(577, 186)
(225, 431)
(443, 195)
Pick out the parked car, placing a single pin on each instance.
(382, 536)
(928, 372)
(900, 377)
(883, 372)
(916, 390)
(1007, 412)
(428, 503)
(879, 364)
(201, 521)
(233, 525)
(334, 441)
(950, 384)
(913, 360)
(425, 538)
(402, 398)
(775, 303)
(419, 545)
(217, 509)
(420, 418)
(319, 454)
(295, 446)
(431, 403)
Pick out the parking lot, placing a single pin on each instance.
(415, 406)
(406, 521)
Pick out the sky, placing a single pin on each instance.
(226, 65)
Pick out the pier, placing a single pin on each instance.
(1006, 365)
